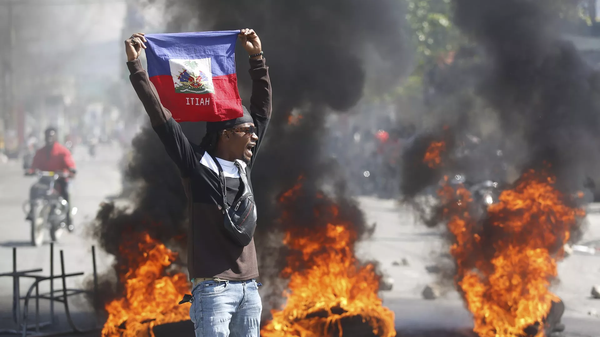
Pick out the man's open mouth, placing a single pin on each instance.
(249, 148)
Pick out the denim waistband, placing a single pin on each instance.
(197, 281)
(244, 281)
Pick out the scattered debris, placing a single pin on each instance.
(593, 313)
(587, 248)
(433, 269)
(386, 283)
(370, 230)
(431, 292)
(596, 291)
(403, 262)
(568, 250)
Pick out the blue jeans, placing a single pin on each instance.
(226, 308)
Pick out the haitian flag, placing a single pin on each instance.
(194, 74)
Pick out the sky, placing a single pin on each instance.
(61, 44)
(51, 35)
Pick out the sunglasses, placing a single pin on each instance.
(247, 129)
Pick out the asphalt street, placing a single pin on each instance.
(97, 179)
(398, 235)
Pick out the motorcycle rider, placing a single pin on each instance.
(57, 158)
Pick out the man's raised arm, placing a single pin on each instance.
(260, 101)
(141, 83)
(168, 130)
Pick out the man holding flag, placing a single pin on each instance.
(191, 77)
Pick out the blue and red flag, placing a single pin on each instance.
(194, 74)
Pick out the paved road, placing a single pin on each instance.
(97, 178)
(398, 235)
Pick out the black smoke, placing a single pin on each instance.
(539, 84)
(156, 204)
(159, 201)
(535, 89)
(319, 54)
(540, 93)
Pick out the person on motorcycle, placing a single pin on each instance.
(57, 158)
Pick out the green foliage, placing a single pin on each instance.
(434, 34)
(573, 11)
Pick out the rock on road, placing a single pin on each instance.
(398, 236)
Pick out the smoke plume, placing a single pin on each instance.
(157, 207)
(541, 99)
(537, 83)
(318, 55)
(537, 89)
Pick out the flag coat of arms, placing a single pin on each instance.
(194, 74)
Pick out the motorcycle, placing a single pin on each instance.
(484, 193)
(47, 208)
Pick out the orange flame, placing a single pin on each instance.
(151, 295)
(327, 285)
(433, 157)
(504, 273)
(294, 119)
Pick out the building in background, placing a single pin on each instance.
(57, 57)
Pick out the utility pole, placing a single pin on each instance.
(591, 7)
(7, 75)
(13, 102)
(11, 65)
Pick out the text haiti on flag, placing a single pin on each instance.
(194, 74)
